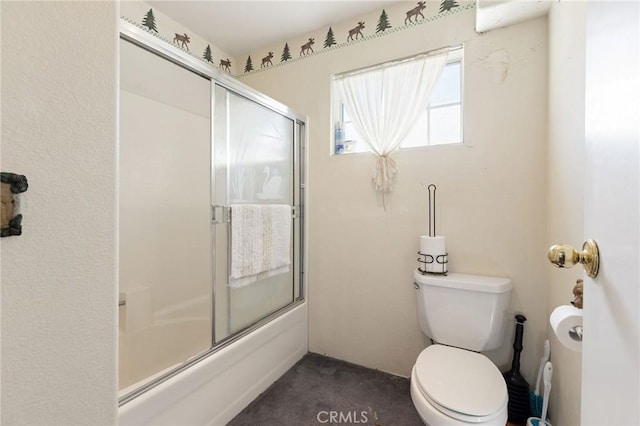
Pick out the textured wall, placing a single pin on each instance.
(491, 193)
(59, 79)
(382, 22)
(566, 187)
(166, 28)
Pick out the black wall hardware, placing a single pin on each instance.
(11, 219)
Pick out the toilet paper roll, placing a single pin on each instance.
(563, 320)
(436, 248)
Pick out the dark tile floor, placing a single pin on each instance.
(324, 391)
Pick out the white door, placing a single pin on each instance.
(610, 359)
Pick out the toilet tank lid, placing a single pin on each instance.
(481, 283)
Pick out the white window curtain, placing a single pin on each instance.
(384, 104)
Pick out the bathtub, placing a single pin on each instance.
(169, 343)
(215, 389)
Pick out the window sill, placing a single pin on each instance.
(410, 148)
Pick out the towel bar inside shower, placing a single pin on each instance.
(222, 213)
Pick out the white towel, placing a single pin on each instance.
(260, 242)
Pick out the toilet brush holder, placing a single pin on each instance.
(517, 387)
(537, 421)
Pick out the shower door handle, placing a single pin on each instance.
(220, 214)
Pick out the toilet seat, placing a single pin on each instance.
(461, 416)
(461, 384)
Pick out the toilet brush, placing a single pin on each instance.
(536, 398)
(548, 373)
(517, 386)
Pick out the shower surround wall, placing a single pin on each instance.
(491, 192)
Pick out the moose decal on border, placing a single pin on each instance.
(304, 49)
(413, 13)
(357, 31)
(266, 61)
(225, 65)
(182, 38)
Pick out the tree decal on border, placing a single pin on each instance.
(207, 54)
(383, 22)
(329, 40)
(249, 65)
(286, 53)
(447, 5)
(149, 21)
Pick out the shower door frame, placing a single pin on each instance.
(163, 49)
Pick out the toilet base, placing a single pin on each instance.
(431, 416)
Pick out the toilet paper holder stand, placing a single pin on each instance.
(427, 259)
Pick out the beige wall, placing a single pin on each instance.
(135, 11)
(565, 197)
(491, 193)
(59, 278)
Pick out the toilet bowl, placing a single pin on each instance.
(453, 386)
(452, 383)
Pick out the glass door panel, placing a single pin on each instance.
(164, 231)
(253, 157)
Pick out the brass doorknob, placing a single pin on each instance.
(565, 256)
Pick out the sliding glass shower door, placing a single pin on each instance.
(253, 159)
(200, 154)
(165, 262)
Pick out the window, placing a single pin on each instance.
(441, 122)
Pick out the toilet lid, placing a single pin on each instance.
(460, 381)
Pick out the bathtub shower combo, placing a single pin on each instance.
(211, 238)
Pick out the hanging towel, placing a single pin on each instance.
(260, 242)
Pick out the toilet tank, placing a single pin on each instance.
(466, 311)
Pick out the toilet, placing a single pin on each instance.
(452, 383)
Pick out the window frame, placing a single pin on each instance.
(456, 55)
